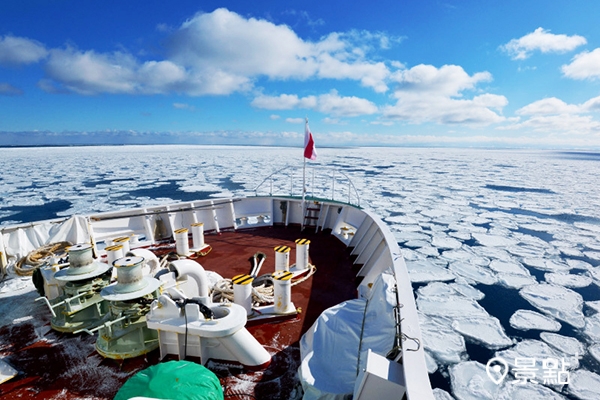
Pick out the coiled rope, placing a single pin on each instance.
(36, 258)
(262, 288)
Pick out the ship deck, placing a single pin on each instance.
(59, 365)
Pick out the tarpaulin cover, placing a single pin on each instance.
(173, 380)
(331, 348)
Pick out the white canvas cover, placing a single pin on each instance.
(329, 349)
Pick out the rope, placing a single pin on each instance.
(262, 288)
(36, 258)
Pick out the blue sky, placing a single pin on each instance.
(455, 73)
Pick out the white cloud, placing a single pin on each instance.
(7, 89)
(584, 65)
(550, 105)
(225, 41)
(17, 50)
(542, 40)
(295, 120)
(552, 115)
(183, 106)
(429, 94)
(274, 117)
(330, 103)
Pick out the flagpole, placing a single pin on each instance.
(304, 184)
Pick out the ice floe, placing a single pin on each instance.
(592, 328)
(538, 351)
(568, 280)
(470, 381)
(508, 267)
(565, 344)
(486, 331)
(557, 301)
(450, 306)
(426, 271)
(584, 385)
(493, 240)
(594, 305)
(525, 320)
(443, 343)
(445, 242)
(515, 281)
(473, 272)
(546, 265)
(440, 394)
(594, 351)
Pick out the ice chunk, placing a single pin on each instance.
(595, 351)
(584, 385)
(515, 281)
(546, 265)
(487, 331)
(426, 271)
(557, 301)
(473, 272)
(436, 289)
(440, 394)
(594, 305)
(568, 280)
(565, 344)
(430, 362)
(525, 320)
(592, 328)
(539, 351)
(428, 251)
(444, 344)
(493, 240)
(509, 267)
(415, 244)
(513, 390)
(467, 290)
(450, 306)
(470, 381)
(445, 242)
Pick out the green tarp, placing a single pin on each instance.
(173, 380)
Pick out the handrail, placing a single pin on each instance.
(321, 182)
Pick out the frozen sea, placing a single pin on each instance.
(503, 246)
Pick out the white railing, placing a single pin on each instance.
(319, 183)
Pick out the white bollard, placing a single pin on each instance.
(282, 258)
(198, 236)
(282, 292)
(302, 253)
(242, 291)
(182, 244)
(113, 253)
(123, 241)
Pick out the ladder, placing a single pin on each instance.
(312, 213)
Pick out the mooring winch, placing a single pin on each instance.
(80, 305)
(123, 333)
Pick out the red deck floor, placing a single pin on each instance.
(65, 366)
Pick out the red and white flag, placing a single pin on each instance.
(309, 144)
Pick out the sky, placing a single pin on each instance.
(379, 73)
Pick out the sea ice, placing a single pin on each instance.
(470, 381)
(525, 320)
(584, 385)
(595, 351)
(473, 272)
(445, 242)
(546, 265)
(430, 362)
(515, 281)
(568, 280)
(440, 394)
(513, 267)
(557, 301)
(592, 328)
(493, 240)
(565, 344)
(425, 271)
(514, 390)
(444, 344)
(594, 305)
(483, 330)
(539, 351)
(467, 290)
(449, 306)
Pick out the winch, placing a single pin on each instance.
(78, 304)
(124, 333)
